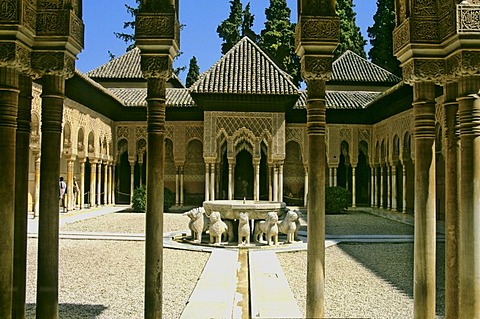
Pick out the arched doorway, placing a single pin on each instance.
(244, 175)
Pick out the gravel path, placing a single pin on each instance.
(364, 280)
(105, 279)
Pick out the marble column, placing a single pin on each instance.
(451, 202)
(275, 183)
(316, 126)
(394, 187)
(207, 181)
(280, 183)
(354, 186)
(105, 183)
(270, 182)
(469, 199)
(132, 180)
(330, 176)
(110, 184)
(382, 178)
(99, 183)
(36, 208)
(53, 94)
(22, 157)
(335, 180)
(93, 182)
(424, 245)
(404, 189)
(372, 186)
(70, 199)
(212, 181)
(9, 91)
(156, 105)
(140, 166)
(181, 186)
(177, 186)
(305, 187)
(113, 184)
(82, 183)
(230, 181)
(256, 165)
(389, 187)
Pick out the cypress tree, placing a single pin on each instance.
(193, 72)
(247, 23)
(381, 38)
(350, 36)
(278, 38)
(229, 29)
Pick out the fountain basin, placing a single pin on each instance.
(230, 209)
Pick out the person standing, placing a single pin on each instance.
(76, 192)
(63, 191)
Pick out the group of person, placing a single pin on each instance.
(63, 193)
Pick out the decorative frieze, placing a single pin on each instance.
(156, 26)
(468, 18)
(401, 36)
(463, 63)
(424, 70)
(13, 54)
(424, 8)
(156, 66)
(316, 68)
(9, 11)
(53, 63)
(319, 29)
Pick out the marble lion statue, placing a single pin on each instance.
(269, 227)
(198, 223)
(217, 228)
(243, 229)
(288, 225)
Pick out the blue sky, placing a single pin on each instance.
(199, 38)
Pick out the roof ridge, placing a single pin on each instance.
(233, 73)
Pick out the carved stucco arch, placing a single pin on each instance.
(245, 139)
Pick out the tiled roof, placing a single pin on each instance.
(126, 66)
(136, 97)
(245, 69)
(95, 84)
(342, 99)
(350, 67)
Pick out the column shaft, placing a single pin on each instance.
(70, 201)
(113, 185)
(451, 203)
(99, 183)
(21, 197)
(382, 178)
(275, 183)
(389, 187)
(155, 197)
(404, 189)
(36, 208)
(424, 246)
(82, 183)
(207, 182)
(132, 181)
(230, 181)
(177, 187)
(305, 195)
(181, 185)
(9, 91)
(93, 178)
(280, 183)
(469, 200)
(330, 177)
(354, 191)
(212, 181)
(316, 125)
(372, 186)
(105, 184)
(47, 271)
(394, 187)
(335, 180)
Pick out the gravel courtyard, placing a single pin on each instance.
(105, 278)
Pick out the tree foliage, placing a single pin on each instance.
(350, 36)
(381, 38)
(229, 29)
(193, 72)
(278, 38)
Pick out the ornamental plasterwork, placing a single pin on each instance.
(468, 18)
(269, 126)
(297, 133)
(424, 8)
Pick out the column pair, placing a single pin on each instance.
(179, 186)
(210, 181)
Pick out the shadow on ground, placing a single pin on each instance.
(393, 262)
(71, 311)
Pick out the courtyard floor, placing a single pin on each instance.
(105, 278)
